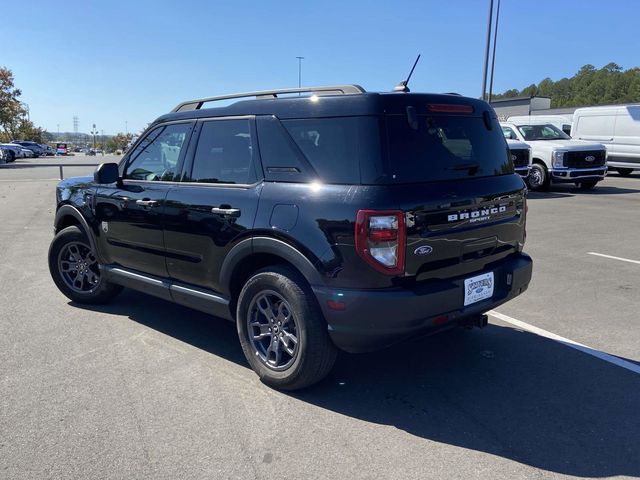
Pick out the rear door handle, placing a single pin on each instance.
(226, 211)
(146, 203)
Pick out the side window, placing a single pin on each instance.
(224, 153)
(281, 158)
(155, 158)
(509, 133)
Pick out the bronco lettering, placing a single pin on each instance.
(476, 214)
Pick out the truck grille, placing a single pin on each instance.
(578, 159)
(520, 157)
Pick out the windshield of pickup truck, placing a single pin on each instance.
(542, 132)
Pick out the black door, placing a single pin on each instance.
(215, 207)
(130, 214)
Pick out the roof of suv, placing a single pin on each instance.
(322, 105)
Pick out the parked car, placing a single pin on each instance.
(562, 122)
(14, 151)
(36, 149)
(47, 151)
(358, 220)
(521, 157)
(617, 128)
(3, 156)
(557, 158)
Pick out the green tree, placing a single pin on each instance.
(13, 122)
(11, 110)
(589, 86)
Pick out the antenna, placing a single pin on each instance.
(402, 86)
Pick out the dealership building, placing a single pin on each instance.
(509, 107)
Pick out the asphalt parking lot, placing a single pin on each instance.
(143, 388)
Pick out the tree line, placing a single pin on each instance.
(14, 122)
(590, 86)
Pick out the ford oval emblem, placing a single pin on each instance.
(423, 250)
(589, 158)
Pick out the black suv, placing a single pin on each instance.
(316, 219)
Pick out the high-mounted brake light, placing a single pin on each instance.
(449, 108)
(381, 239)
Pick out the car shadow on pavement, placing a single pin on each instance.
(498, 390)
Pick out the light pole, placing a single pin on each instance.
(94, 132)
(486, 52)
(102, 134)
(493, 55)
(300, 71)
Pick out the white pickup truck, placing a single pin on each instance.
(521, 157)
(557, 158)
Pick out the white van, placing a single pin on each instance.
(562, 122)
(617, 128)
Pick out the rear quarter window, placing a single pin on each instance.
(336, 147)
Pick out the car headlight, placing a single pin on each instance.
(557, 158)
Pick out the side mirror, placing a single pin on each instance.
(106, 173)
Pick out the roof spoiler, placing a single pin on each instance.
(267, 94)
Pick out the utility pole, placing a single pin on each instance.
(493, 55)
(486, 52)
(300, 72)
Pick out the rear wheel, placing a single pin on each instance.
(624, 172)
(75, 271)
(538, 177)
(11, 157)
(282, 332)
(586, 185)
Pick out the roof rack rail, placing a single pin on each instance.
(326, 90)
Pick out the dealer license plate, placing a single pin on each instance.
(478, 288)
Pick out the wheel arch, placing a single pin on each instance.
(67, 216)
(256, 253)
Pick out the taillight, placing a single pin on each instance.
(380, 240)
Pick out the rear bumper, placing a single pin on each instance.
(373, 319)
(572, 175)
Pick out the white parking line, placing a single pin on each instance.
(569, 343)
(614, 258)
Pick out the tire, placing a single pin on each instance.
(624, 172)
(283, 292)
(586, 185)
(12, 156)
(538, 178)
(70, 256)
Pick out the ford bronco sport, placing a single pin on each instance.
(336, 219)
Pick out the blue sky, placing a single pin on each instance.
(114, 61)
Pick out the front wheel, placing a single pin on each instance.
(75, 271)
(538, 177)
(282, 331)
(586, 185)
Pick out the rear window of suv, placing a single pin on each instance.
(443, 147)
(388, 150)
